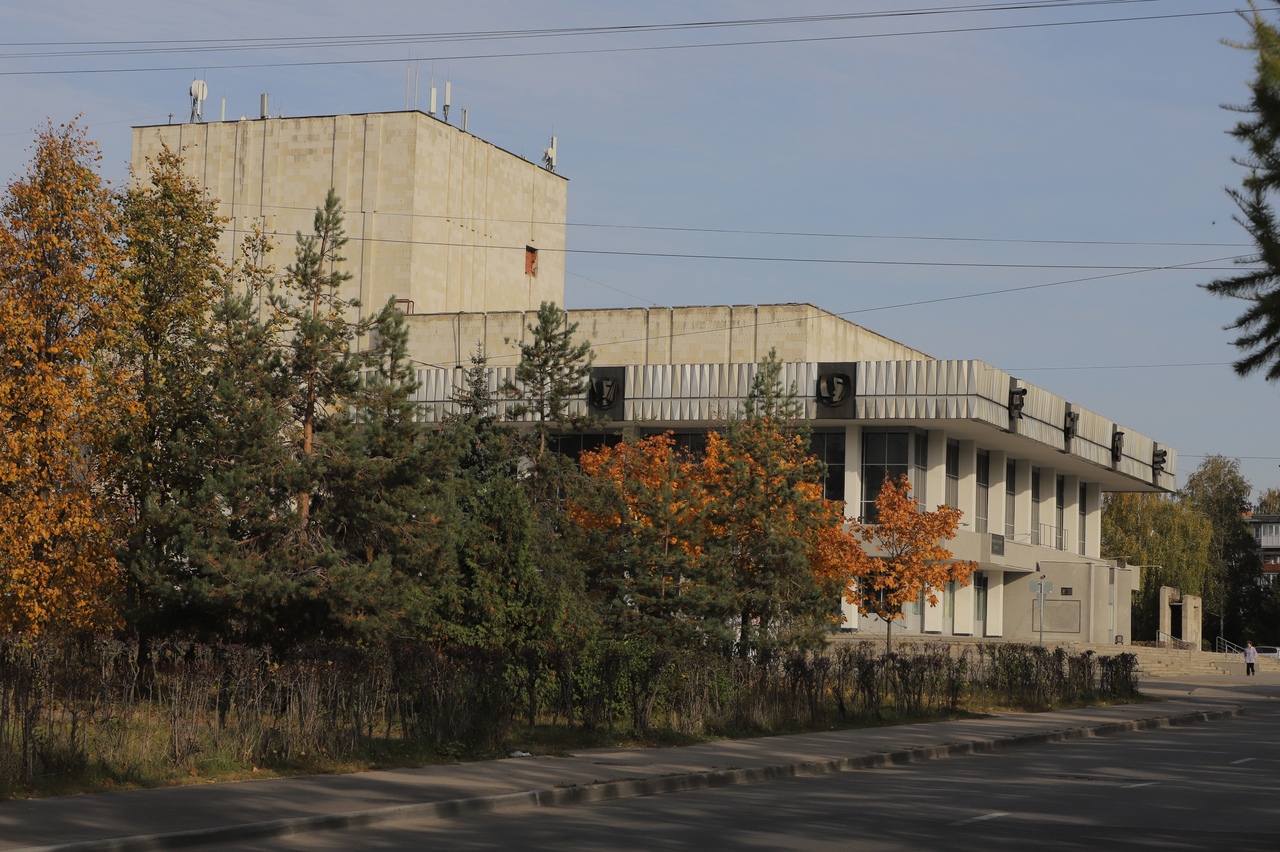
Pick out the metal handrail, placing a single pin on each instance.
(1172, 641)
(1050, 536)
(1223, 646)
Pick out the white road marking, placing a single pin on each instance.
(1242, 760)
(981, 818)
(1143, 784)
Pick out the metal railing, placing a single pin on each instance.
(1223, 646)
(1049, 536)
(1171, 641)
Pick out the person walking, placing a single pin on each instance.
(1250, 658)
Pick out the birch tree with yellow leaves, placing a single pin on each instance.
(63, 307)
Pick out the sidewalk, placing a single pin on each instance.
(185, 816)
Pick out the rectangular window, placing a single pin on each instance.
(983, 475)
(1060, 514)
(920, 468)
(980, 597)
(531, 261)
(889, 455)
(953, 474)
(1035, 506)
(1080, 522)
(828, 447)
(1010, 481)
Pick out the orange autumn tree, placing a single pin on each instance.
(63, 309)
(654, 581)
(737, 545)
(906, 559)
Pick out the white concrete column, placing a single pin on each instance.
(852, 471)
(1022, 502)
(936, 475)
(850, 613)
(1093, 520)
(932, 620)
(995, 602)
(968, 496)
(995, 498)
(1048, 503)
(1071, 514)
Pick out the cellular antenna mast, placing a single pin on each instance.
(199, 93)
(549, 156)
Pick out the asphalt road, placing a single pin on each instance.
(1213, 786)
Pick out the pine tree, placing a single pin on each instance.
(392, 504)
(763, 518)
(553, 370)
(1259, 286)
(324, 371)
(171, 241)
(239, 521)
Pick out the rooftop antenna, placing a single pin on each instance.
(549, 156)
(432, 109)
(448, 95)
(464, 119)
(199, 93)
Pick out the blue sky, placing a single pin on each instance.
(1046, 154)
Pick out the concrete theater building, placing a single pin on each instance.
(470, 239)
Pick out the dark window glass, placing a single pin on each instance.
(1010, 483)
(953, 474)
(829, 448)
(983, 475)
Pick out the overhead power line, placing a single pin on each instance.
(590, 51)
(917, 303)
(794, 259)
(115, 47)
(1122, 367)
(752, 232)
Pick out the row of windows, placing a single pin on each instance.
(890, 454)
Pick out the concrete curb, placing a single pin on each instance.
(608, 790)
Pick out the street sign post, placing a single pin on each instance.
(1040, 588)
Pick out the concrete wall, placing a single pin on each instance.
(435, 216)
(718, 334)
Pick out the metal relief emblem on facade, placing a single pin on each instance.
(1117, 446)
(607, 390)
(604, 393)
(834, 388)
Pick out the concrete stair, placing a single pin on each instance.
(1170, 662)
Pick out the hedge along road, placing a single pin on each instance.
(243, 815)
